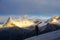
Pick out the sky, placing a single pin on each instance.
(38, 8)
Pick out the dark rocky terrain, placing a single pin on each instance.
(16, 33)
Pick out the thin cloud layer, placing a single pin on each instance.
(30, 7)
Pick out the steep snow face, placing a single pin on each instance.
(37, 20)
(21, 23)
(42, 24)
(9, 23)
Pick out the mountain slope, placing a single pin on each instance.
(55, 35)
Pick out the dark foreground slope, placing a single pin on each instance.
(55, 35)
(16, 33)
(44, 29)
(51, 27)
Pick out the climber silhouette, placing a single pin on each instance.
(37, 28)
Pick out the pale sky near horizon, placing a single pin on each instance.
(30, 7)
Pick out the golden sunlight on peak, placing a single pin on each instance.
(1, 26)
(54, 20)
(55, 17)
(22, 23)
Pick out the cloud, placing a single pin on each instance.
(31, 7)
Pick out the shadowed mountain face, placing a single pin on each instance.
(16, 33)
(50, 27)
(13, 33)
(55, 35)
(53, 27)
